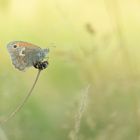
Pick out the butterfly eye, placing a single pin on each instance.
(15, 46)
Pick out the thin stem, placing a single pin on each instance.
(13, 113)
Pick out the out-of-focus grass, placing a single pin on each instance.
(79, 58)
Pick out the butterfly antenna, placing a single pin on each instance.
(13, 113)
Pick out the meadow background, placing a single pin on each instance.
(97, 48)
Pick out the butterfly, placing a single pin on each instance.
(24, 55)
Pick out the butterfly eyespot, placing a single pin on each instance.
(15, 46)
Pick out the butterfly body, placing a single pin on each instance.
(24, 54)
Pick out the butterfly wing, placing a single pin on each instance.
(18, 60)
(24, 54)
(33, 55)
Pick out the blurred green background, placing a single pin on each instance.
(97, 44)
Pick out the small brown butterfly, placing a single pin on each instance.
(24, 55)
